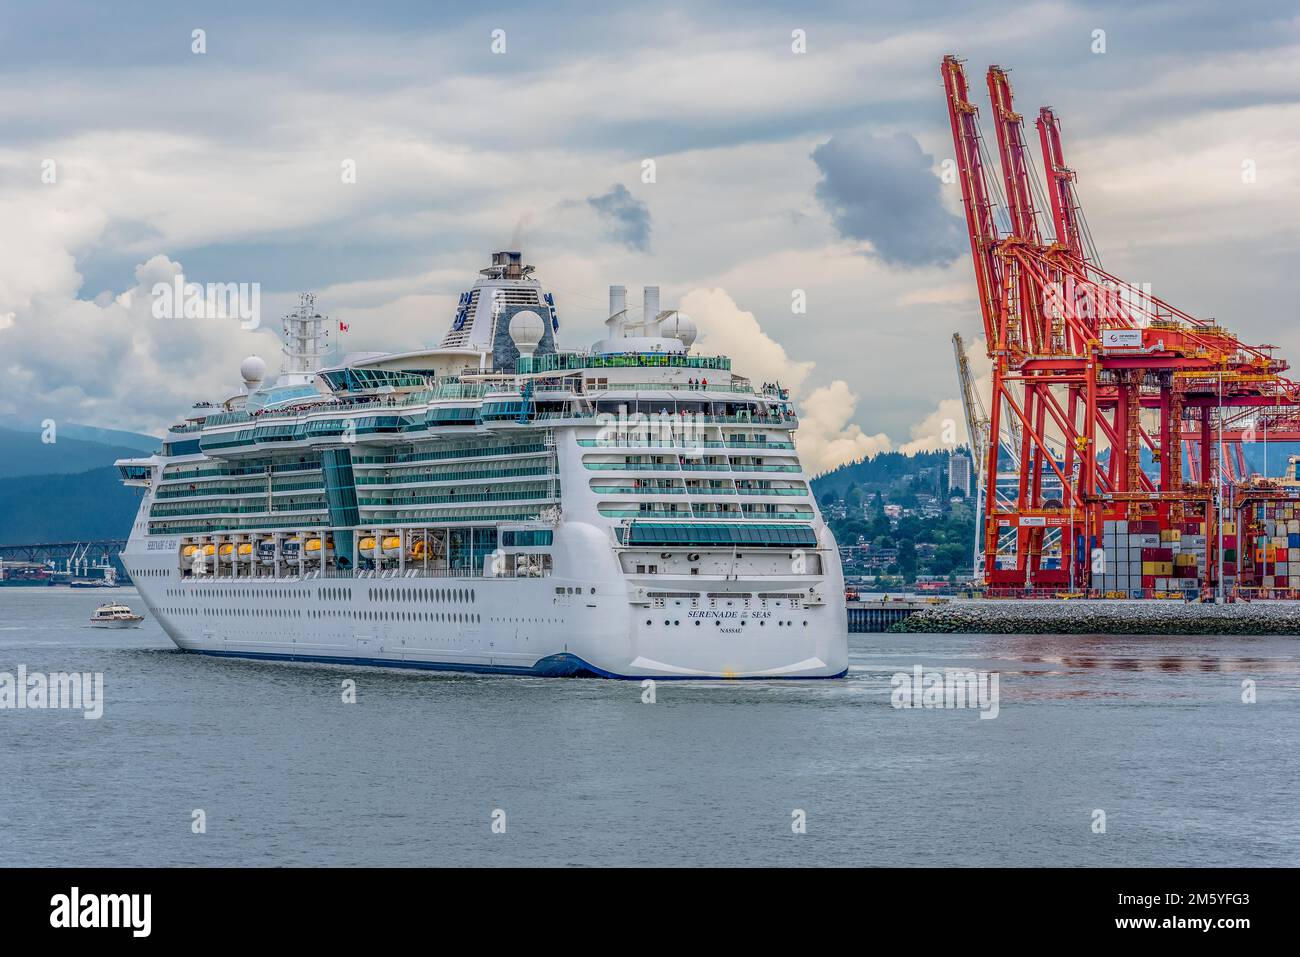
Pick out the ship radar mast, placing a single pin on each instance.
(306, 342)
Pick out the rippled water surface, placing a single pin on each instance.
(1152, 731)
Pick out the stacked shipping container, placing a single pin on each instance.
(1275, 535)
(1140, 558)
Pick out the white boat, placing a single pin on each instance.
(115, 615)
(635, 509)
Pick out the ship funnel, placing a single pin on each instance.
(510, 263)
(617, 307)
(650, 310)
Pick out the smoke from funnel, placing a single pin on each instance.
(523, 222)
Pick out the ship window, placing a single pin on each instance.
(527, 538)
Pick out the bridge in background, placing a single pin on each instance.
(61, 553)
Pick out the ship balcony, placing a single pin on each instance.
(631, 441)
(177, 476)
(633, 511)
(748, 467)
(484, 476)
(632, 466)
(459, 455)
(182, 492)
(705, 514)
(169, 511)
(638, 490)
(678, 442)
(470, 497)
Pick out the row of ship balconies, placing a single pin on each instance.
(689, 464)
(460, 516)
(245, 503)
(200, 472)
(697, 487)
(704, 512)
(379, 426)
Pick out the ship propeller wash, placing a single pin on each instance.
(495, 504)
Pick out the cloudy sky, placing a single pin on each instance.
(775, 171)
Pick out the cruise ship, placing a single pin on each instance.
(495, 504)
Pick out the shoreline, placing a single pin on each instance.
(1105, 617)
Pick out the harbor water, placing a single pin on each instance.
(1187, 746)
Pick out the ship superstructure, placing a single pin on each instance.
(496, 504)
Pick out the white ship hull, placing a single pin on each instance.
(507, 626)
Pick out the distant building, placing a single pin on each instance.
(959, 473)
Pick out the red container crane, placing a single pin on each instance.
(1089, 373)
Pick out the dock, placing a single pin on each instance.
(876, 614)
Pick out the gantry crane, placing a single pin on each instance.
(1084, 363)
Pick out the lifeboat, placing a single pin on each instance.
(418, 548)
(290, 547)
(314, 546)
(226, 553)
(392, 546)
(367, 546)
(245, 551)
(189, 551)
(266, 551)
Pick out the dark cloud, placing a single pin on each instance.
(626, 218)
(883, 189)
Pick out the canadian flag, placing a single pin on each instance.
(343, 326)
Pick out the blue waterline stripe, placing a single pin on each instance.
(553, 666)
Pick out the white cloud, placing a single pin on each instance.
(726, 329)
(827, 435)
(111, 361)
(942, 429)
